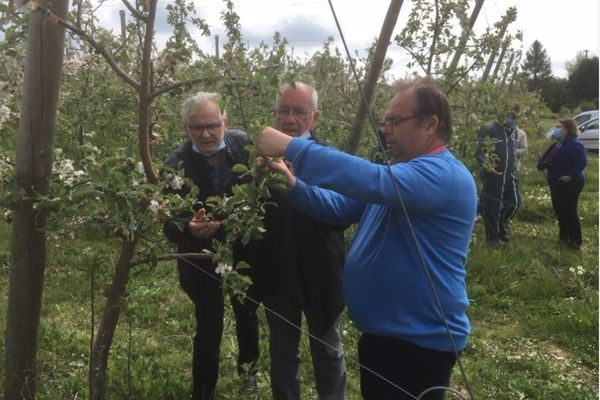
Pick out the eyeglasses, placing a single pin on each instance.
(211, 128)
(390, 122)
(281, 112)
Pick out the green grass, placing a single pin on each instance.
(534, 315)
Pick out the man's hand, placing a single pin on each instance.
(271, 142)
(565, 178)
(492, 170)
(201, 227)
(282, 167)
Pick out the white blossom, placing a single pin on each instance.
(4, 113)
(140, 168)
(175, 182)
(223, 269)
(154, 207)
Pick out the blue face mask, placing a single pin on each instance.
(209, 153)
(556, 133)
(510, 122)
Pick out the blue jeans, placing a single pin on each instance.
(328, 360)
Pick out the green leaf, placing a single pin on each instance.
(239, 168)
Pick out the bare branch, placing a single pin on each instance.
(134, 11)
(175, 85)
(97, 46)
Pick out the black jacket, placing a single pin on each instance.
(305, 257)
(198, 170)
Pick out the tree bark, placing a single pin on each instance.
(108, 323)
(378, 58)
(35, 142)
(500, 59)
(145, 97)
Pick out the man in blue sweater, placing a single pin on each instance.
(415, 219)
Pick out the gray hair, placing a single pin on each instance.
(299, 85)
(190, 105)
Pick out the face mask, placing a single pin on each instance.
(510, 122)
(209, 153)
(556, 133)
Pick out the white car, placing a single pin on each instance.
(580, 120)
(588, 134)
(585, 116)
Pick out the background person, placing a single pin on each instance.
(565, 161)
(206, 158)
(520, 147)
(302, 266)
(499, 197)
(385, 285)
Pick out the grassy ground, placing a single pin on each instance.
(534, 314)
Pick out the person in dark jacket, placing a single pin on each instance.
(499, 197)
(206, 159)
(302, 274)
(565, 161)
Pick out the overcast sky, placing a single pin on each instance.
(563, 27)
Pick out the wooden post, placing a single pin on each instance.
(41, 83)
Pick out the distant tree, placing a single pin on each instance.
(536, 66)
(556, 93)
(583, 80)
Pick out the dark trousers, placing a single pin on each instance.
(565, 196)
(207, 295)
(283, 310)
(500, 199)
(412, 369)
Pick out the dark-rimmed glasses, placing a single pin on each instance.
(211, 128)
(392, 121)
(281, 112)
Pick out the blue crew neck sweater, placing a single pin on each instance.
(385, 285)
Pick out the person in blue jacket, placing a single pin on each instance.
(565, 161)
(414, 223)
(500, 197)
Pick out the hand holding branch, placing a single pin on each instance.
(201, 226)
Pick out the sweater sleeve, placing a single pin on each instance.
(417, 184)
(579, 160)
(325, 205)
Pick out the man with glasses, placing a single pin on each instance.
(301, 274)
(207, 158)
(404, 277)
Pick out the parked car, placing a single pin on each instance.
(585, 116)
(588, 134)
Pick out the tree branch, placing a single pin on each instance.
(97, 46)
(135, 12)
(175, 85)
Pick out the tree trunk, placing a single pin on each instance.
(490, 63)
(145, 97)
(462, 44)
(41, 84)
(378, 58)
(500, 59)
(508, 68)
(108, 324)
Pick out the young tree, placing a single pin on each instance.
(536, 66)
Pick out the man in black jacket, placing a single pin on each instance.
(301, 273)
(206, 158)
